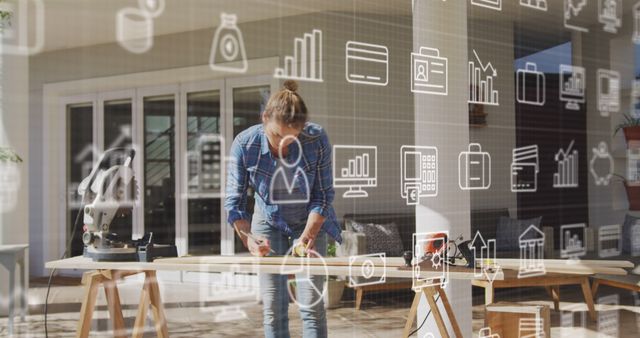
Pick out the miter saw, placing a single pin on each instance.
(109, 193)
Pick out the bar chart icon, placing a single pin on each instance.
(306, 62)
(355, 168)
(567, 174)
(481, 88)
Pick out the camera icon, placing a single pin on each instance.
(367, 269)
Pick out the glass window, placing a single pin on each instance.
(248, 104)
(80, 157)
(205, 154)
(159, 168)
(117, 134)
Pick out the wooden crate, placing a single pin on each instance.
(513, 320)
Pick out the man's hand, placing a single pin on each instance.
(257, 245)
(314, 224)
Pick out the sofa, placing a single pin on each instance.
(355, 243)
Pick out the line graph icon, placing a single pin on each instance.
(567, 174)
(481, 89)
(306, 62)
(572, 9)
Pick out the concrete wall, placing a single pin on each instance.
(442, 121)
(14, 133)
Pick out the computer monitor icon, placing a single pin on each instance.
(608, 91)
(573, 241)
(610, 14)
(572, 86)
(355, 167)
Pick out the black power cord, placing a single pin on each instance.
(425, 319)
(64, 254)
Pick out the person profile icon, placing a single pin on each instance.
(289, 184)
(421, 72)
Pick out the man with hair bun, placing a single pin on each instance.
(287, 162)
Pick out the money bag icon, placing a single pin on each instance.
(227, 51)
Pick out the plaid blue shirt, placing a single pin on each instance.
(252, 165)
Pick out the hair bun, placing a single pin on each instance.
(290, 85)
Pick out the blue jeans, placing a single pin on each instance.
(273, 287)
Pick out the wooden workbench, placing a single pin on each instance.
(108, 273)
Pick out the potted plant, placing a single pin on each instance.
(631, 128)
(334, 287)
(9, 178)
(5, 16)
(633, 192)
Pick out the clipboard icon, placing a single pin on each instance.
(429, 72)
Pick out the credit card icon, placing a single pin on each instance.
(367, 63)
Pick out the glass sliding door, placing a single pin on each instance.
(159, 137)
(247, 104)
(79, 162)
(117, 131)
(205, 149)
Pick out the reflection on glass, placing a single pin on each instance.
(204, 156)
(248, 104)
(117, 133)
(80, 157)
(159, 168)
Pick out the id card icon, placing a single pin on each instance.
(429, 72)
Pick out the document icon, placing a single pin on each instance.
(429, 73)
(524, 169)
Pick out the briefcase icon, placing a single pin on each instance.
(530, 85)
(474, 168)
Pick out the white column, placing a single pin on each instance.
(442, 121)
